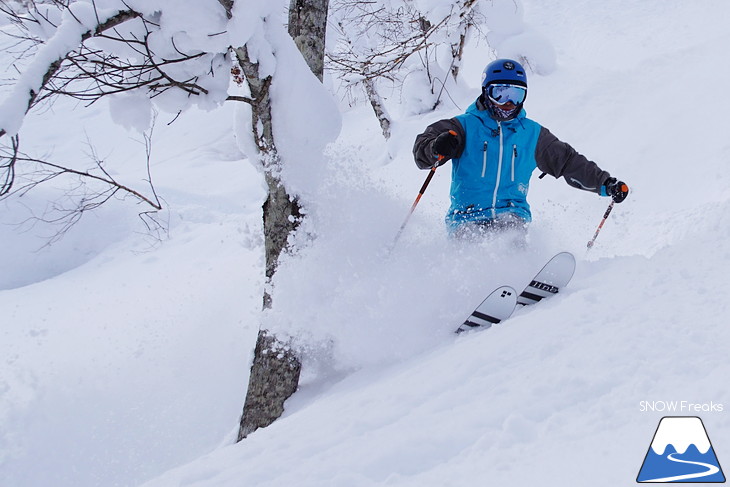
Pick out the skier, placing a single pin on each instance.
(494, 148)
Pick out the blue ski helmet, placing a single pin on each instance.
(496, 75)
(504, 71)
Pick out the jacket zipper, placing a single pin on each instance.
(484, 162)
(514, 156)
(499, 169)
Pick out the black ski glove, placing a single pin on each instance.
(617, 190)
(445, 146)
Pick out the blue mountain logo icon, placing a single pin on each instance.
(681, 452)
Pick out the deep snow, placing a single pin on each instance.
(124, 357)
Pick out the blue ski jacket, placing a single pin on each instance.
(495, 160)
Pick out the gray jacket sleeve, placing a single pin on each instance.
(557, 159)
(423, 147)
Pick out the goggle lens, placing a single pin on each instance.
(501, 94)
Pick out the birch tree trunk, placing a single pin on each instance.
(276, 368)
(376, 101)
(308, 28)
(465, 25)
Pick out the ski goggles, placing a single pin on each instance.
(504, 93)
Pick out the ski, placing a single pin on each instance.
(501, 303)
(554, 276)
(498, 306)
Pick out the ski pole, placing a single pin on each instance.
(420, 193)
(415, 203)
(605, 216)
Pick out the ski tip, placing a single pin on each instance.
(565, 255)
(497, 307)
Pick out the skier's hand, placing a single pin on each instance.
(445, 146)
(617, 190)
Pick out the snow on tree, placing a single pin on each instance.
(169, 56)
(413, 44)
(511, 37)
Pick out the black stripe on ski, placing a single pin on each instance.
(533, 297)
(484, 317)
(471, 324)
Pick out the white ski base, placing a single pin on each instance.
(554, 276)
(498, 306)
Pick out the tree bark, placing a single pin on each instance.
(275, 369)
(274, 378)
(378, 106)
(308, 27)
(228, 5)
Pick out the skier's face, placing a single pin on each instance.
(504, 112)
(508, 107)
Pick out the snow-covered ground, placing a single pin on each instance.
(125, 360)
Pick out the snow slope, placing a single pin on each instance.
(123, 356)
(119, 365)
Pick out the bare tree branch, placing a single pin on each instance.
(50, 170)
(381, 41)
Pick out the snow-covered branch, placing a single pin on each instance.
(384, 43)
(376, 41)
(47, 63)
(89, 49)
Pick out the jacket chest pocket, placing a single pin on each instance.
(513, 163)
(484, 158)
